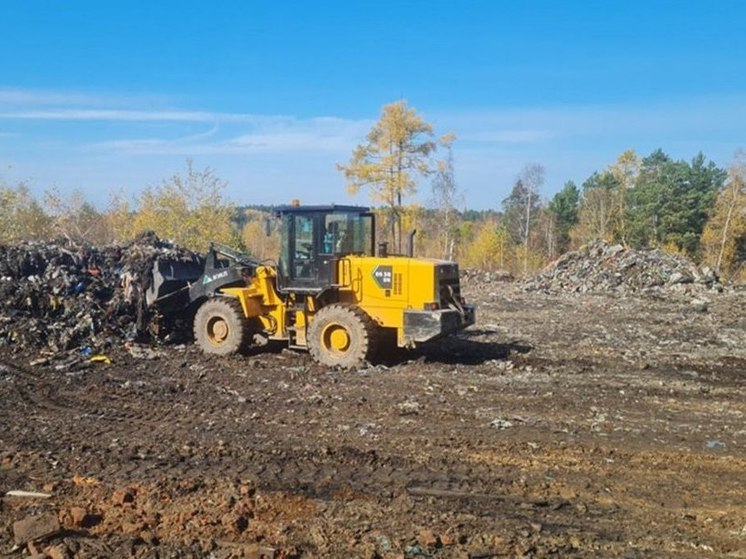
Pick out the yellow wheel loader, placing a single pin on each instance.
(333, 291)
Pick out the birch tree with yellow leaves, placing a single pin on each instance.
(188, 209)
(22, 217)
(724, 236)
(398, 150)
(446, 197)
(625, 170)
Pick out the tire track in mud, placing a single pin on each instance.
(148, 433)
(323, 474)
(445, 486)
(57, 400)
(449, 488)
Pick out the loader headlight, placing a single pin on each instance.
(431, 306)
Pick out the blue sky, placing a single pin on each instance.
(99, 96)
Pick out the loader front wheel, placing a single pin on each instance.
(341, 336)
(220, 327)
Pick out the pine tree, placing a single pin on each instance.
(671, 200)
(564, 208)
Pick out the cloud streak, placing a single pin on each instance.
(130, 133)
(322, 135)
(18, 98)
(229, 133)
(497, 136)
(542, 123)
(120, 115)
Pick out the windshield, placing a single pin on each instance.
(347, 233)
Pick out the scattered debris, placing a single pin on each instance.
(59, 551)
(122, 496)
(34, 528)
(501, 424)
(428, 539)
(28, 494)
(408, 407)
(79, 516)
(384, 543)
(415, 551)
(100, 359)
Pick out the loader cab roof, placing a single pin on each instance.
(329, 208)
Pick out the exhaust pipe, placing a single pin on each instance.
(410, 243)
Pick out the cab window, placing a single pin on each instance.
(347, 234)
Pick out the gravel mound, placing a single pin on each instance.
(601, 267)
(57, 296)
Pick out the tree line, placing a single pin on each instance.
(690, 207)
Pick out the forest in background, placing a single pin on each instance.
(644, 202)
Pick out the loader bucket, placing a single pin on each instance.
(171, 280)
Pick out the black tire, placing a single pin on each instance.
(220, 327)
(341, 336)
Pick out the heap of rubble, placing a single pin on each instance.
(603, 267)
(60, 296)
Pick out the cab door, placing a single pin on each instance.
(300, 261)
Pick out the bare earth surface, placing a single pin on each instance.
(559, 426)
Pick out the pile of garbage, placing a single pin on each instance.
(603, 267)
(60, 296)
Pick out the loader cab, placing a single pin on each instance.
(313, 239)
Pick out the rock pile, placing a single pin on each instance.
(57, 297)
(602, 267)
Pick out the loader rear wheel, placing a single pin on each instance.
(220, 326)
(341, 336)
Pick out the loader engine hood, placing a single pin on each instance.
(421, 297)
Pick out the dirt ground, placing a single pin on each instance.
(559, 426)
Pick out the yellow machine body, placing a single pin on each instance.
(330, 292)
(389, 290)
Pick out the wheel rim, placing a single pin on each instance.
(335, 339)
(217, 330)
